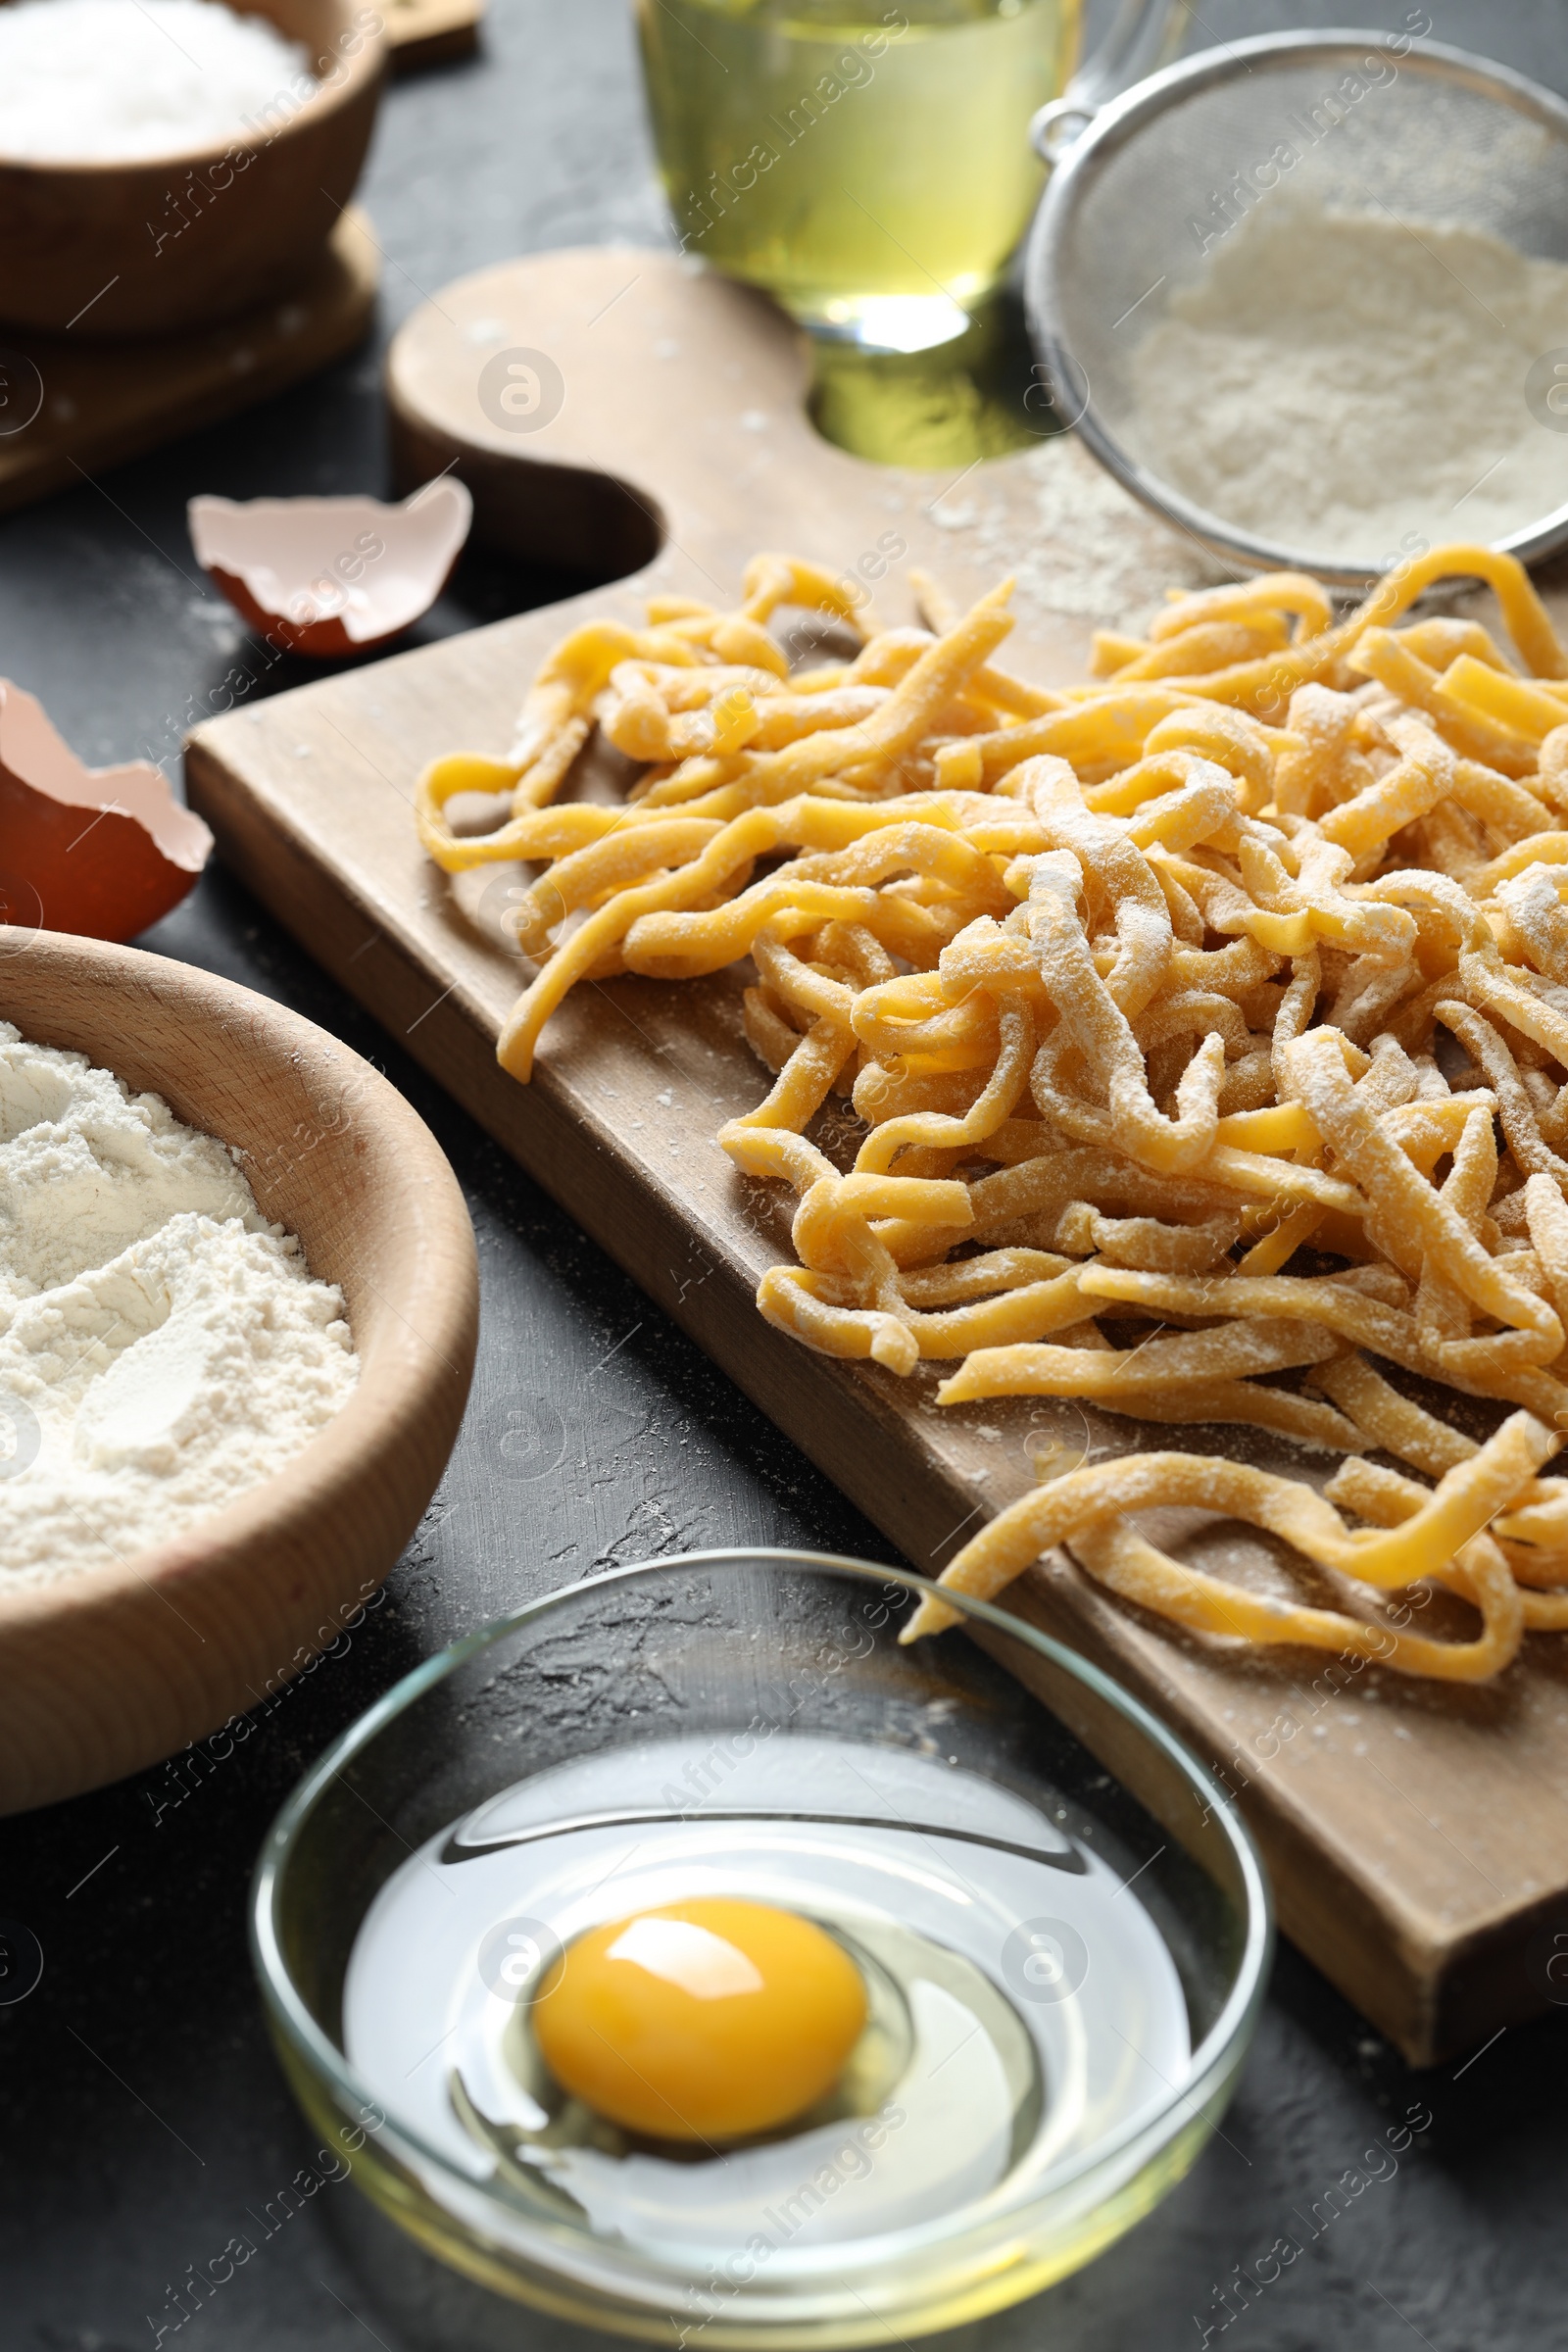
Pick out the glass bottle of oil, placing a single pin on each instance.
(867, 162)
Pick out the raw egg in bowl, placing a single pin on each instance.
(708, 2019)
(681, 1949)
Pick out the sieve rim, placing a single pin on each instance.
(1118, 121)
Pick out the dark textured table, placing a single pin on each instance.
(145, 2123)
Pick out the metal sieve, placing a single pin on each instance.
(1147, 188)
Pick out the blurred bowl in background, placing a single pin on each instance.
(151, 245)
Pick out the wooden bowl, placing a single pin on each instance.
(141, 247)
(106, 1671)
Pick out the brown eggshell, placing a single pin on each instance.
(102, 852)
(332, 575)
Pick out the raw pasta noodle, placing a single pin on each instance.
(1205, 1023)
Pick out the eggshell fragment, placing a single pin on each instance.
(102, 852)
(332, 575)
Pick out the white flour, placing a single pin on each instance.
(1075, 542)
(1088, 550)
(101, 81)
(163, 1347)
(1337, 381)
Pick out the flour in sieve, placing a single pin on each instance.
(163, 1346)
(1344, 383)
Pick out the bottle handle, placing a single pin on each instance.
(1142, 38)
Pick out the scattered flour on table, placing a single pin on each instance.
(1336, 381)
(1076, 543)
(163, 1346)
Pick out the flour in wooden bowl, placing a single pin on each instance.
(163, 1346)
(111, 80)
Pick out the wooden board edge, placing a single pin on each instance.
(1328, 1913)
(1433, 2001)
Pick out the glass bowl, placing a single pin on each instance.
(732, 1649)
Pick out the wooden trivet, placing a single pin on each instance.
(427, 33)
(69, 407)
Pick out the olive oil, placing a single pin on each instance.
(868, 165)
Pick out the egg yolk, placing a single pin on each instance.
(706, 2020)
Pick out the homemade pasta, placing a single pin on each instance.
(1207, 1022)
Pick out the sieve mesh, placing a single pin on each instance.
(1167, 175)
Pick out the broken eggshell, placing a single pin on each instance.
(332, 575)
(102, 852)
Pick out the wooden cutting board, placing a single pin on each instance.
(1417, 1834)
